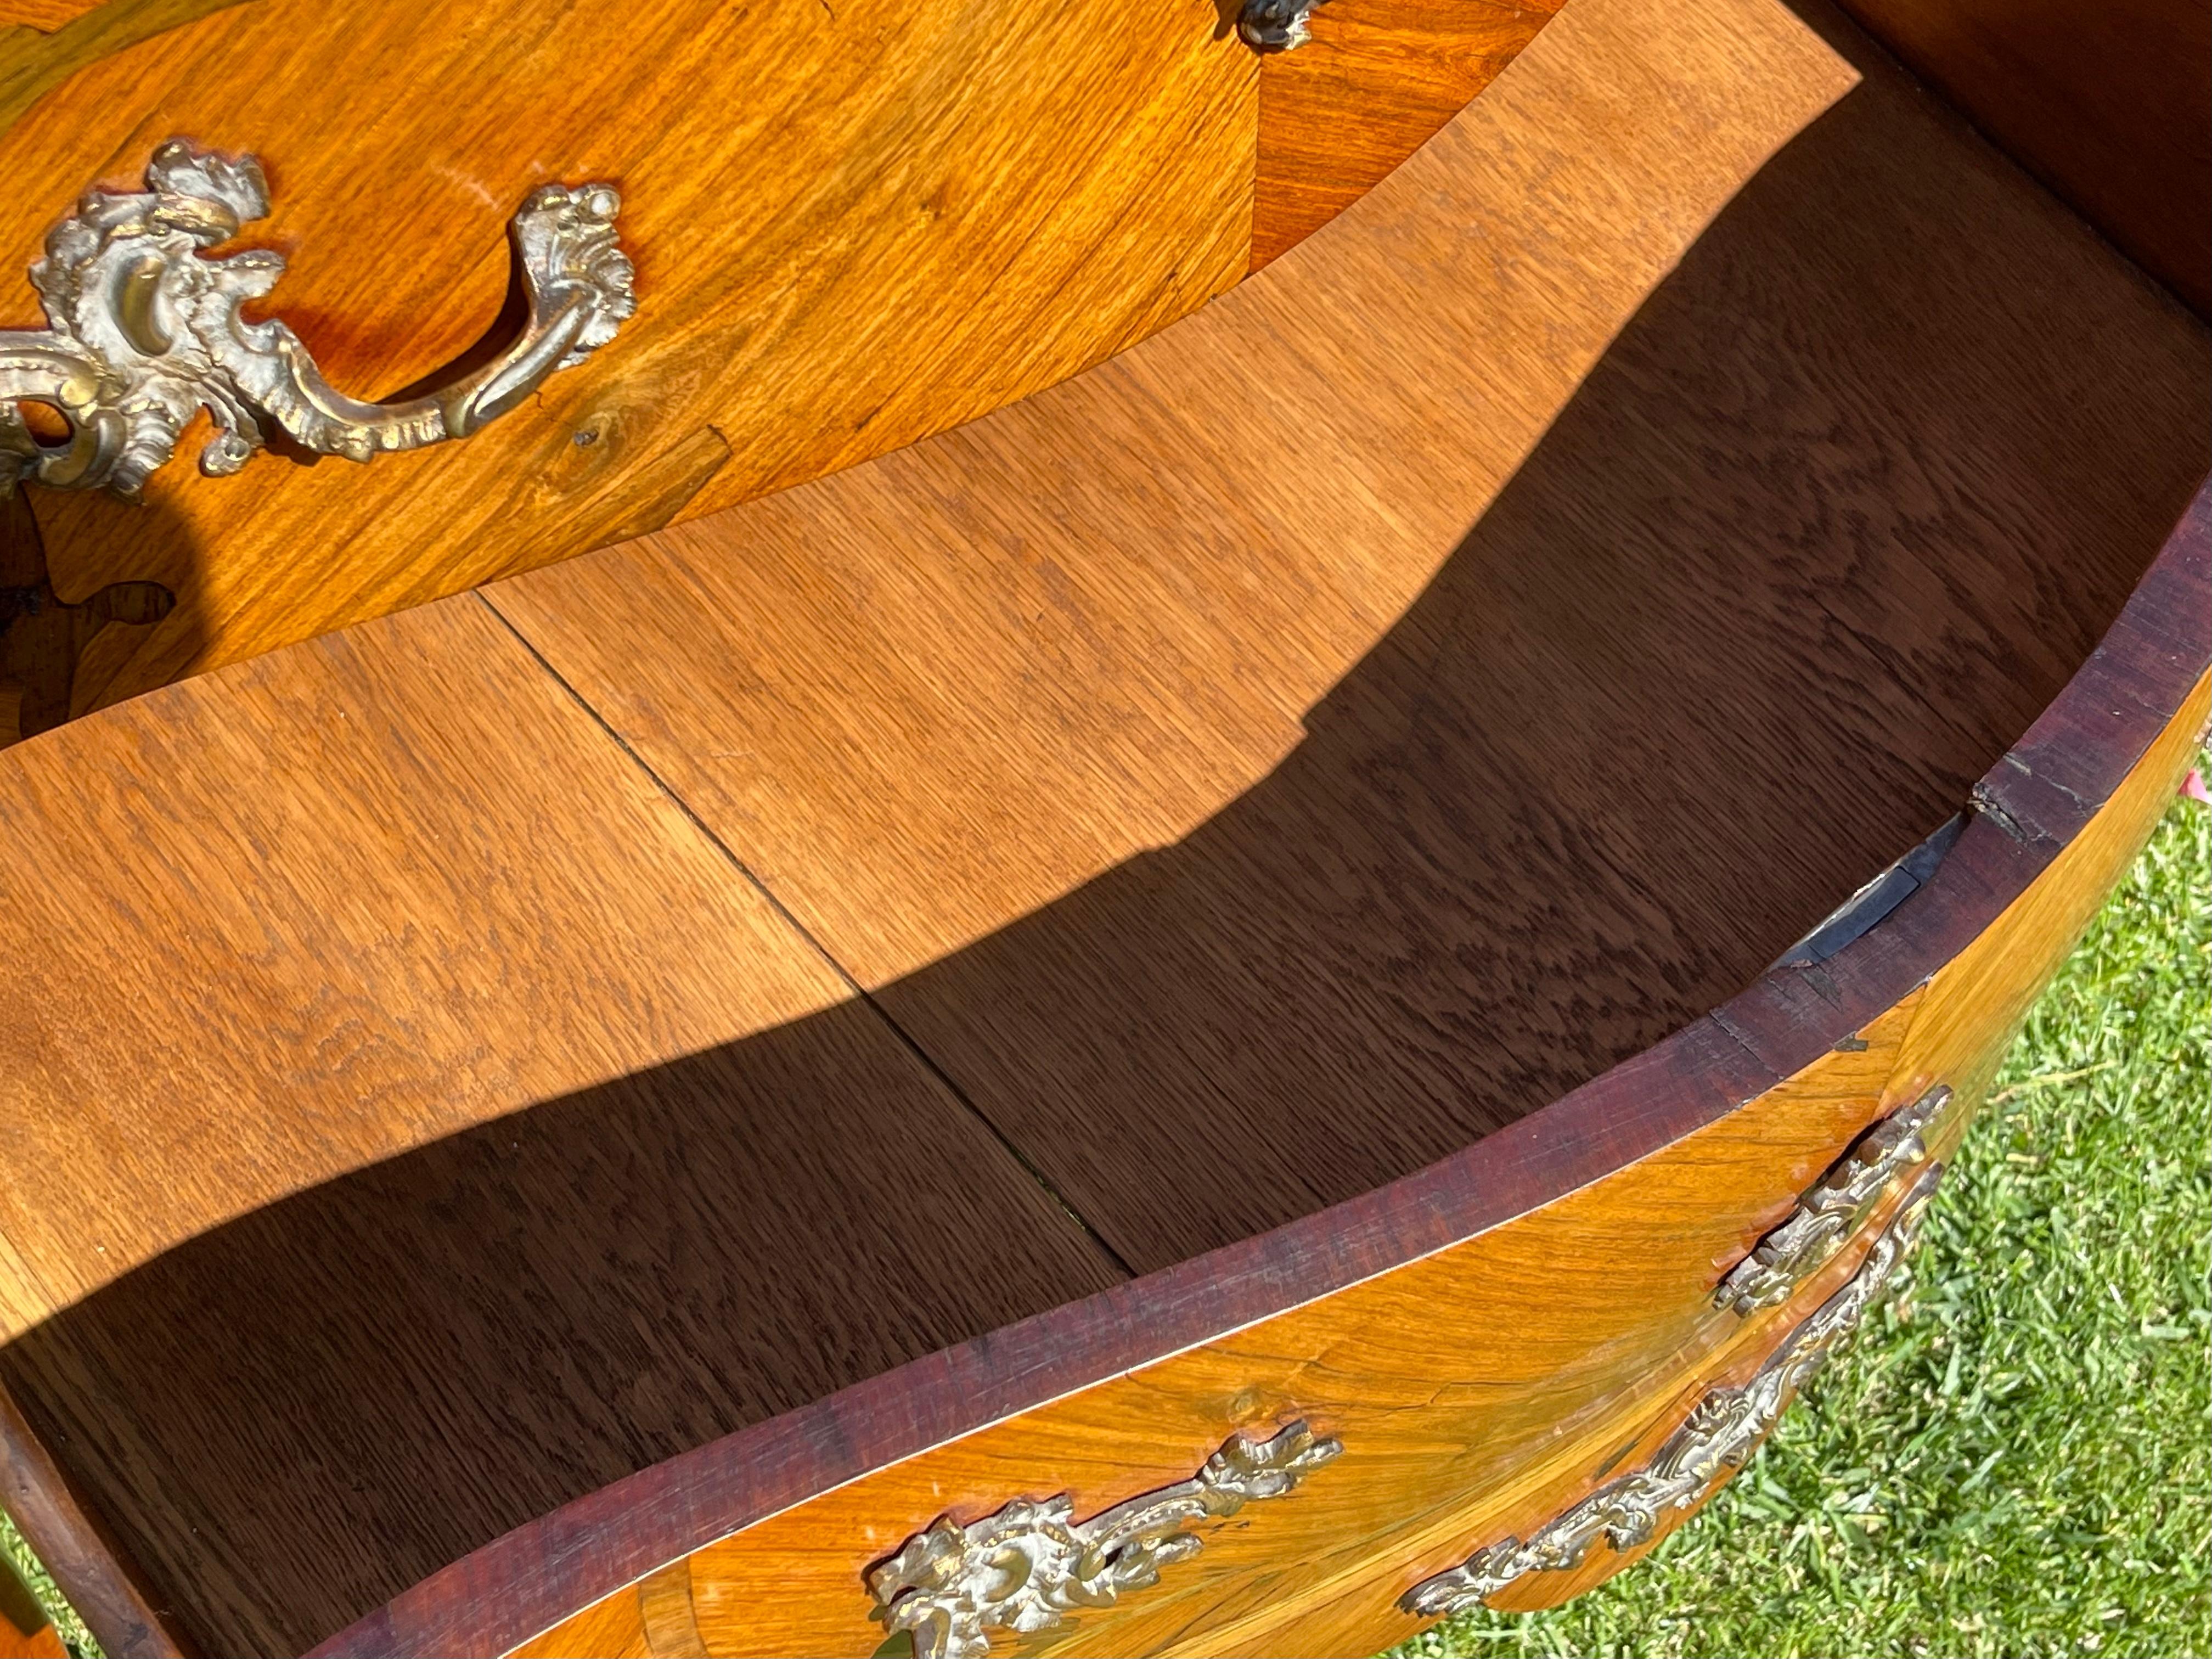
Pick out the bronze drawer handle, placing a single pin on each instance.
(144, 331)
(1275, 25)
(1028, 1565)
(1828, 1214)
(1722, 1431)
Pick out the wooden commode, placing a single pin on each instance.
(1170, 832)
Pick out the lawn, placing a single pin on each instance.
(2015, 1458)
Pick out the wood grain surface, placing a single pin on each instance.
(1375, 80)
(2108, 104)
(450, 1128)
(45, 641)
(1230, 754)
(852, 227)
(1976, 1003)
(44, 42)
(46, 15)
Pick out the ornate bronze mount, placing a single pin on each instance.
(1028, 1566)
(1275, 25)
(143, 330)
(1722, 1431)
(1828, 1214)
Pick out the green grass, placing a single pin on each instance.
(2016, 1457)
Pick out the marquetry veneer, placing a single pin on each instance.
(850, 228)
(1323, 891)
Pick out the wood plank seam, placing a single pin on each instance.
(859, 994)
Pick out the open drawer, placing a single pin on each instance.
(1291, 983)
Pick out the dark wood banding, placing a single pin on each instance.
(72, 1544)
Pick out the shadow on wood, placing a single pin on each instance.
(58, 651)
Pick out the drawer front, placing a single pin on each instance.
(1474, 1392)
(847, 230)
(849, 227)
